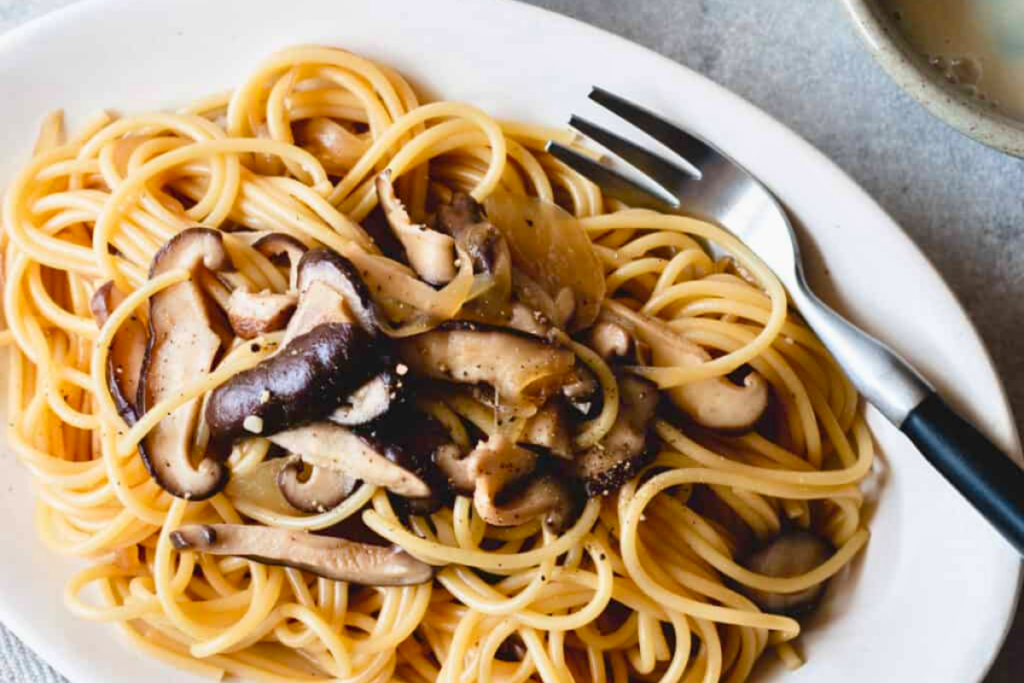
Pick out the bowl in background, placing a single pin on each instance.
(912, 72)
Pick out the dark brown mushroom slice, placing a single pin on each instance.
(790, 554)
(430, 253)
(519, 366)
(304, 382)
(127, 350)
(187, 334)
(624, 450)
(336, 271)
(360, 456)
(549, 429)
(331, 558)
(327, 354)
(372, 401)
(253, 314)
(323, 489)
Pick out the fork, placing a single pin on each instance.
(719, 190)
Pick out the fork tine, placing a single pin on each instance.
(612, 182)
(691, 148)
(662, 171)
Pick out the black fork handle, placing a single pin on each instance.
(991, 481)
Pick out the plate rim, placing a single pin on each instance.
(54, 19)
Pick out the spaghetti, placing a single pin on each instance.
(646, 583)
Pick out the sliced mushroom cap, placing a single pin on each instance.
(715, 403)
(791, 554)
(360, 456)
(610, 340)
(252, 314)
(498, 472)
(187, 334)
(331, 558)
(546, 496)
(323, 489)
(282, 250)
(464, 220)
(497, 463)
(336, 271)
(624, 450)
(304, 382)
(549, 429)
(491, 466)
(335, 147)
(454, 464)
(431, 254)
(519, 366)
(319, 304)
(372, 401)
(127, 351)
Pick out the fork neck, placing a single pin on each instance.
(884, 379)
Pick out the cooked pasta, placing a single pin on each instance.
(649, 579)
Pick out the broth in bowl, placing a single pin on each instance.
(978, 45)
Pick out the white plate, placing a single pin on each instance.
(931, 598)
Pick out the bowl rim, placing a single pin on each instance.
(911, 72)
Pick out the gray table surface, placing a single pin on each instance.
(801, 61)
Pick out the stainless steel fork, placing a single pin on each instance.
(721, 191)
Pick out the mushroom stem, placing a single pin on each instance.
(331, 558)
